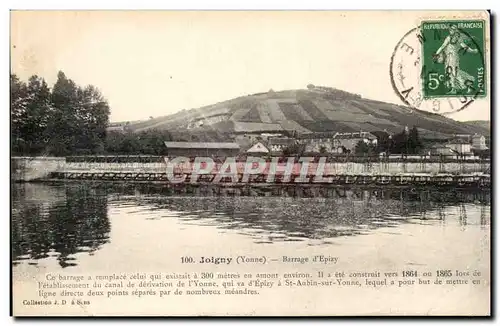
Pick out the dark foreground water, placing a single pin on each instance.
(70, 225)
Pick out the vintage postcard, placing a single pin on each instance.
(250, 163)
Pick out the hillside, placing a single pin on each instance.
(484, 124)
(316, 109)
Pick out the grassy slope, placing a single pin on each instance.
(480, 124)
(319, 111)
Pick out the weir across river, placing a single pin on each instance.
(272, 172)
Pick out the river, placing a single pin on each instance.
(94, 228)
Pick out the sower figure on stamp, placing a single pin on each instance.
(449, 53)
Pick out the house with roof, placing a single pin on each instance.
(349, 140)
(479, 142)
(459, 146)
(440, 149)
(317, 141)
(466, 137)
(259, 148)
(265, 136)
(255, 131)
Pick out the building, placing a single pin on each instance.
(277, 144)
(459, 146)
(465, 137)
(255, 131)
(441, 149)
(258, 148)
(320, 147)
(318, 142)
(266, 136)
(479, 142)
(191, 149)
(350, 140)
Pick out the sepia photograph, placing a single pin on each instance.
(250, 163)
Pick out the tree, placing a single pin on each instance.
(30, 114)
(150, 142)
(407, 143)
(93, 112)
(343, 150)
(364, 148)
(385, 142)
(81, 116)
(414, 142)
(18, 107)
(63, 129)
(294, 149)
(400, 143)
(67, 120)
(38, 115)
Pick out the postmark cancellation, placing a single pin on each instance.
(440, 65)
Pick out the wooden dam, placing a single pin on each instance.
(156, 169)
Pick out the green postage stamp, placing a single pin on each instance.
(453, 57)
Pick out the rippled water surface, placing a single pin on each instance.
(73, 224)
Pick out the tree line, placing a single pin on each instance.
(149, 142)
(406, 143)
(67, 119)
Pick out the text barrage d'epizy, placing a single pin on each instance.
(314, 259)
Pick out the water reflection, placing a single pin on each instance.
(329, 213)
(62, 220)
(57, 221)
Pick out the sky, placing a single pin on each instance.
(155, 63)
